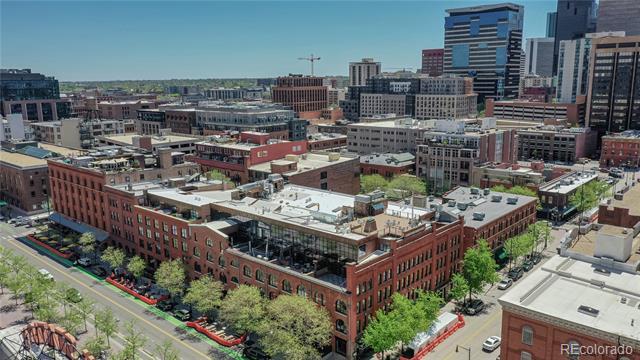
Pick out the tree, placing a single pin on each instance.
(47, 311)
(459, 287)
(243, 308)
(479, 267)
(97, 345)
(408, 185)
(369, 183)
(204, 294)
(380, 335)
(517, 246)
(87, 243)
(294, 328)
(6, 256)
(114, 257)
(428, 306)
(136, 266)
(134, 340)
(85, 309)
(215, 174)
(166, 351)
(72, 321)
(18, 285)
(106, 323)
(170, 276)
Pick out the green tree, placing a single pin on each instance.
(479, 267)
(369, 183)
(136, 266)
(166, 351)
(459, 287)
(85, 309)
(106, 323)
(517, 246)
(18, 285)
(72, 321)
(380, 334)
(407, 185)
(114, 257)
(428, 306)
(413, 317)
(134, 341)
(215, 174)
(97, 345)
(243, 309)
(6, 256)
(47, 311)
(294, 328)
(171, 277)
(87, 243)
(204, 294)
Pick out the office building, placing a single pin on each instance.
(150, 121)
(180, 121)
(539, 56)
(361, 71)
(335, 96)
(389, 136)
(75, 132)
(279, 122)
(551, 24)
(556, 143)
(574, 19)
(450, 150)
(619, 15)
(182, 89)
(387, 165)
(306, 95)
(234, 94)
(536, 111)
(475, 34)
(432, 62)
(35, 96)
(38, 109)
(123, 109)
(620, 149)
(613, 103)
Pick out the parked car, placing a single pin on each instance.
(182, 314)
(515, 274)
(536, 258)
(15, 219)
(527, 265)
(474, 307)
(505, 283)
(73, 295)
(142, 288)
(165, 305)
(45, 274)
(85, 261)
(99, 271)
(492, 343)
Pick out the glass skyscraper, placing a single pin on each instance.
(574, 18)
(485, 42)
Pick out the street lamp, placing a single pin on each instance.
(464, 348)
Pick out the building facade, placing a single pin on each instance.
(432, 62)
(622, 149)
(150, 121)
(574, 19)
(24, 183)
(613, 103)
(396, 136)
(474, 33)
(303, 94)
(573, 113)
(539, 56)
(180, 121)
(619, 15)
(123, 109)
(388, 165)
(361, 71)
(551, 24)
(553, 143)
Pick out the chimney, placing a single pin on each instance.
(370, 225)
(164, 158)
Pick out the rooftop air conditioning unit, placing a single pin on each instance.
(478, 216)
(512, 200)
(496, 198)
(452, 203)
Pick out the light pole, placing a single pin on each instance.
(458, 347)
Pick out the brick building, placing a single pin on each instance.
(432, 62)
(622, 210)
(304, 94)
(510, 175)
(388, 165)
(326, 141)
(555, 194)
(180, 121)
(123, 109)
(620, 149)
(24, 182)
(556, 143)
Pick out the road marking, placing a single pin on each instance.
(487, 322)
(22, 247)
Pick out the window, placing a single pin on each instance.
(527, 335)
(318, 297)
(234, 280)
(209, 242)
(460, 55)
(183, 232)
(209, 257)
(286, 286)
(246, 271)
(301, 291)
(340, 326)
(341, 307)
(196, 252)
(501, 55)
(273, 281)
(259, 275)
(323, 175)
(525, 356)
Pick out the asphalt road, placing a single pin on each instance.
(157, 329)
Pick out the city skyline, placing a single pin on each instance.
(262, 45)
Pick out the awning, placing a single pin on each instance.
(78, 226)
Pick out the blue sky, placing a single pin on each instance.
(118, 40)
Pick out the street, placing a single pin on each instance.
(154, 326)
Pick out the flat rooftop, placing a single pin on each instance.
(561, 285)
(311, 161)
(62, 150)
(402, 124)
(565, 185)
(492, 208)
(586, 244)
(20, 160)
(127, 139)
(195, 198)
(399, 160)
(630, 200)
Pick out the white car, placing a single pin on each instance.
(492, 343)
(45, 274)
(505, 283)
(85, 261)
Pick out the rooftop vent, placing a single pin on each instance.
(462, 206)
(496, 198)
(451, 203)
(475, 190)
(478, 216)
(512, 200)
(486, 191)
(588, 310)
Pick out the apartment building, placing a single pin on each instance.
(621, 149)
(432, 62)
(556, 143)
(391, 136)
(24, 181)
(123, 109)
(361, 71)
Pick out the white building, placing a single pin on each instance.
(360, 71)
(12, 128)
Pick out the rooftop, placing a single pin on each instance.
(21, 160)
(405, 123)
(306, 162)
(127, 139)
(399, 160)
(62, 150)
(630, 200)
(563, 286)
(567, 184)
(628, 134)
(586, 244)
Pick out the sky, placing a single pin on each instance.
(149, 40)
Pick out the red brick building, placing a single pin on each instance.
(304, 94)
(123, 109)
(180, 120)
(24, 183)
(322, 141)
(388, 165)
(622, 210)
(620, 149)
(433, 62)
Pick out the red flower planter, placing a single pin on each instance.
(48, 247)
(145, 299)
(201, 329)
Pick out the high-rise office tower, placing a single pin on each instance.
(485, 42)
(574, 18)
(619, 15)
(432, 61)
(539, 58)
(614, 85)
(551, 24)
(573, 66)
(360, 71)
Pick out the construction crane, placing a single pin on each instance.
(310, 59)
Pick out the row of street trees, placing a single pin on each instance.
(527, 243)
(49, 301)
(400, 187)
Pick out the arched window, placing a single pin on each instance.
(525, 356)
(286, 286)
(527, 335)
(341, 307)
(301, 291)
(209, 257)
(223, 278)
(259, 275)
(221, 262)
(340, 326)
(273, 281)
(246, 271)
(319, 298)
